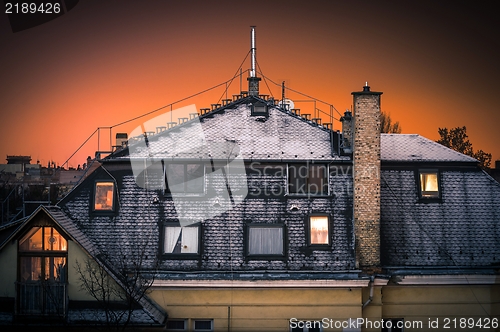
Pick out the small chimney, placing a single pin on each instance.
(121, 140)
(347, 132)
(253, 80)
(366, 177)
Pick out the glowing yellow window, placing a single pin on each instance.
(43, 238)
(318, 230)
(429, 184)
(104, 192)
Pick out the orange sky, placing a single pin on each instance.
(105, 62)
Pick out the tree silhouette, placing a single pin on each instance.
(457, 139)
(386, 125)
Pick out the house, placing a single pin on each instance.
(252, 217)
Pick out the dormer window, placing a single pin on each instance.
(319, 231)
(429, 184)
(104, 196)
(259, 109)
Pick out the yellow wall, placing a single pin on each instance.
(75, 253)
(421, 303)
(8, 266)
(259, 309)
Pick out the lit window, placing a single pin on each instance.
(104, 193)
(43, 238)
(319, 230)
(181, 240)
(203, 325)
(42, 274)
(265, 240)
(429, 184)
(185, 178)
(308, 179)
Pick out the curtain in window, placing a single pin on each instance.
(265, 241)
(171, 237)
(429, 182)
(189, 240)
(319, 230)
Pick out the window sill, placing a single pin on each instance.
(180, 256)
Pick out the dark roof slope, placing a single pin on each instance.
(463, 229)
(280, 136)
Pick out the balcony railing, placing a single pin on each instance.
(42, 298)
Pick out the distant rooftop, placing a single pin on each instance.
(415, 148)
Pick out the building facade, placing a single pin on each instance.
(269, 221)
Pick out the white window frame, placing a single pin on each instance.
(185, 234)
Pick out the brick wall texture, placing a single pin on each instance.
(366, 157)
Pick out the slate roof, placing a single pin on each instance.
(460, 230)
(416, 148)
(280, 136)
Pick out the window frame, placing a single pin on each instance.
(113, 209)
(185, 321)
(257, 105)
(203, 319)
(168, 192)
(46, 278)
(422, 195)
(319, 246)
(250, 256)
(308, 193)
(179, 255)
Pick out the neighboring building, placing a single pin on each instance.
(312, 225)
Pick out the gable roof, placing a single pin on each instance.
(71, 230)
(280, 136)
(416, 148)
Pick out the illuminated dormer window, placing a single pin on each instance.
(104, 196)
(319, 231)
(429, 184)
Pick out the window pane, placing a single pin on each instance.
(265, 241)
(203, 325)
(104, 196)
(317, 181)
(189, 243)
(172, 235)
(319, 230)
(55, 269)
(175, 178)
(31, 268)
(429, 184)
(297, 179)
(32, 241)
(194, 181)
(176, 325)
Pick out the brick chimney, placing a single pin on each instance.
(366, 176)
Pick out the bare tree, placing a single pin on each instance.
(118, 284)
(457, 139)
(386, 125)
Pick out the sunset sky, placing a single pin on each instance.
(105, 62)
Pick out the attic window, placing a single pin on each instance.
(319, 230)
(308, 179)
(265, 240)
(429, 183)
(104, 196)
(259, 108)
(185, 178)
(181, 240)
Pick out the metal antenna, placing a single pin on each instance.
(253, 50)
